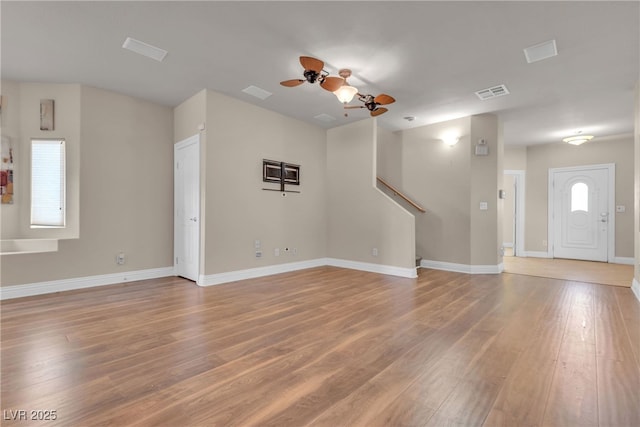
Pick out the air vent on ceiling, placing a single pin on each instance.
(541, 51)
(257, 92)
(144, 49)
(492, 92)
(325, 118)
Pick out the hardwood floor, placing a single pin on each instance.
(326, 347)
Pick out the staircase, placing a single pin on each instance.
(395, 192)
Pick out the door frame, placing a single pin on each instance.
(518, 218)
(611, 205)
(195, 139)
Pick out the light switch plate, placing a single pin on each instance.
(484, 206)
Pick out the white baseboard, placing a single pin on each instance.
(462, 268)
(537, 254)
(252, 273)
(624, 260)
(373, 268)
(635, 287)
(18, 291)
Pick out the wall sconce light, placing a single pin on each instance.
(450, 140)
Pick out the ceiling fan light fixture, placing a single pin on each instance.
(577, 139)
(345, 93)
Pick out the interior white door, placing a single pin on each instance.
(581, 214)
(187, 208)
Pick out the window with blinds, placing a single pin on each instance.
(48, 183)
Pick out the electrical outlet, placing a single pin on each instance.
(276, 252)
(374, 252)
(120, 258)
(257, 244)
(258, 254)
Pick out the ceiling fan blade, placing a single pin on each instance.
(332, 84)
(309, 63)
(350, 107)
(378, 111)
(384, 99)
(292, 83)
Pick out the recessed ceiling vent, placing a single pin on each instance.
(257, 92)
(325, 118)
(492, 92)
(541, 51)
(144, 49)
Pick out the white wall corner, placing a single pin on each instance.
(624, 260)
(635, 287)
(462, 268)
(40, 288)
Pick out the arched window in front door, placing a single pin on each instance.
(580, 197)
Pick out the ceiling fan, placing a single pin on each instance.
(313, 72)
(372, 103)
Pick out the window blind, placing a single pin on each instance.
(47, 183)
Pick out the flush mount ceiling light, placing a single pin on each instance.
(577, 139)
(345, 93)
(144, 49)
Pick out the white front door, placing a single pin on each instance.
(581, 213)
(187, 208)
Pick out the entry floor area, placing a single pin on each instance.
(567, 269)
(326, 347)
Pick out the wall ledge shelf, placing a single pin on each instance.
(27, 246)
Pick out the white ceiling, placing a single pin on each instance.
(430, 56)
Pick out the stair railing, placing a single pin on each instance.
(401, 195)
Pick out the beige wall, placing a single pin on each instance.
(540, 158)
(437, 177)
(126, 198)
(389, 156)
(515, 158)
(450, 182)
(21, 116)
(486, 178)
(238, 212)
(360, 217)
